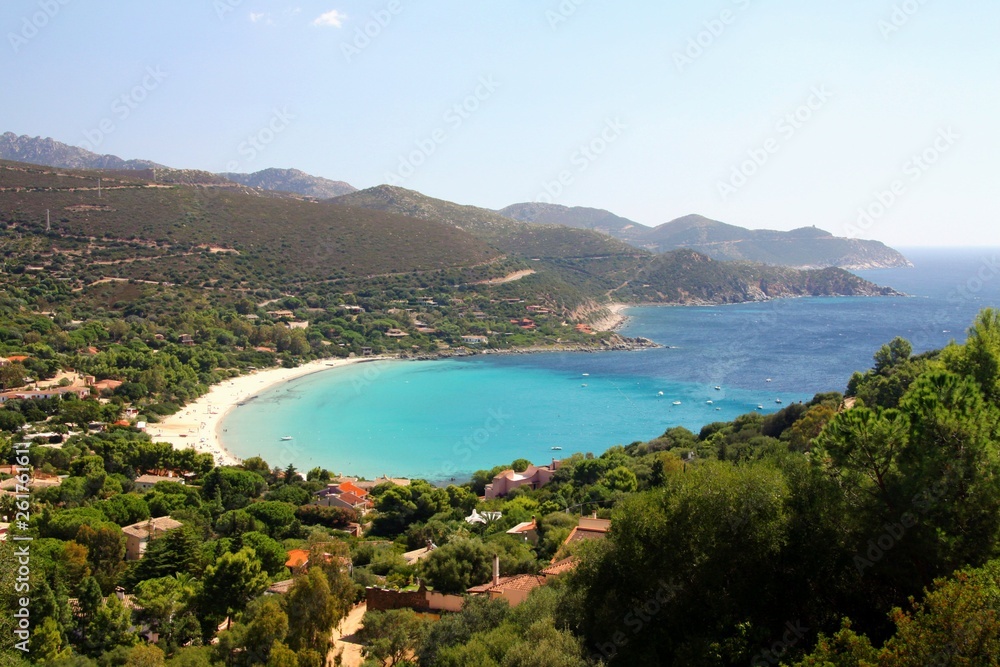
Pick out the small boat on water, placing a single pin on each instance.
(778, 401)
(659, 393)
(677, 402)
(718, 388)
(710, 402)
(286, 437)
(583, 385)
(586, 375)
(768, 380)
(557, 449)
(760, 407)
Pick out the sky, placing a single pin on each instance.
(868, 118)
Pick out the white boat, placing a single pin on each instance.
(677, 402)
(718, 388)
(778, 401)
(659, 393)
(583, 385)
(557, 449)
(768, 380)
(286, 437)
(710, 402)
(760, 407)
(586, 375)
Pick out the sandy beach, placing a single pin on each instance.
(614, 320)
(198, 425)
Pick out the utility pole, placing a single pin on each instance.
(48, 221)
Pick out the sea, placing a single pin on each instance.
(443, 420)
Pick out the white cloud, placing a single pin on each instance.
(332, 19)
(261, 17)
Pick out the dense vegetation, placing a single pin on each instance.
(798, 537)
(850, 530)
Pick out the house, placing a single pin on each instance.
(281, 313)
(508, 480)
(56, 392)
(345, 495)
(147, 482)
(560, 567)
(297, 559)
(514, 590)
(366, 352)
(17, 358)
(527, 531)
(584, 329)
(107, 385)
(139, 535)
(588, 528)
(39, 481)
(475, 340)
(186, 339)
(396, 333)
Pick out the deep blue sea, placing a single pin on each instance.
(445, 419)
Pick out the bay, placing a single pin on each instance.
(445, 419)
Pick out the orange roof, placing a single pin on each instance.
(559, 567)
(17, 357)
(297, 558)
(350, 487)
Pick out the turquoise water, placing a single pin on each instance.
(444, 419)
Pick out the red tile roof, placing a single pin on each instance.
(560, 567)
(297, 558)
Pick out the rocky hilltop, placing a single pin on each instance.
(804, 248)
(292, 180)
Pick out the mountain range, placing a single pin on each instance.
(88, 227)
(807, 247)
(520, 229)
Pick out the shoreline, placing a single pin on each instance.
(614, 320)
(197, 426)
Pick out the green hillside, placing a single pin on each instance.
(227, 236)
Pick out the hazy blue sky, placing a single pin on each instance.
(762, 113)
